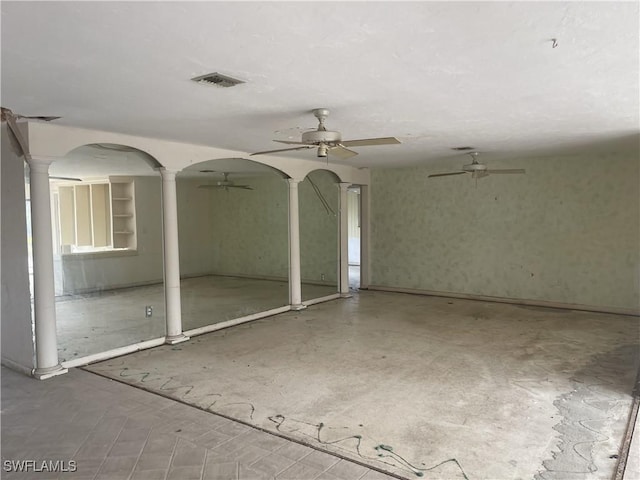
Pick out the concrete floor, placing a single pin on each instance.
(94, 323)
(113, 431)
(418, 386)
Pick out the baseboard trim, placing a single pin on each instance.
(17, 367)
(236, 321)
(321, 299)
(323, 283)
(513, 301)
(91, 290)
(113, 353)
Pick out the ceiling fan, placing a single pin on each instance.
(22, 148)
(478, 170)
(224, 184)
(329, 141)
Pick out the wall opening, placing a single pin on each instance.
(354, 236)
(107, 249)
(319, 204)
(232, 224)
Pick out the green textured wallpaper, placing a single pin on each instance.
(568, 231)
(249, 229)
(246, 232)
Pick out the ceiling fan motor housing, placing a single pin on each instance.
(474, 167)
(321, 136)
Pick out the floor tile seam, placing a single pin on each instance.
(104, 458)
(204, 465)
(225, 442)
(324, 470)
(299, 462)
(86, 436)
(171, 457)
(214, 429)
(278, 472)
(241, 422)
(146, 441)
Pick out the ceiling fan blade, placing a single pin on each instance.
(283, 150)
(293, 143)
(45, 118)
(70, 179)
(507, 170)
(225, 187)
(445, 174)
(365, 142)
(342, 152)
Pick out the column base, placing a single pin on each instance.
(346, 295)
(173, 339)
(299, 306)
(48, 372)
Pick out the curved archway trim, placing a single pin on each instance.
(58, 140)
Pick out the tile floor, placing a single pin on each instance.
(114, 431)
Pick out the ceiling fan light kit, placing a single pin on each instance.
(329, 142)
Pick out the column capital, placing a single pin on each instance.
(294, 181)
(344, 185)
(40, 162)
(168, 173)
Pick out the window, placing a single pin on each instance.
(95, 216)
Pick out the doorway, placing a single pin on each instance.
(353, 226)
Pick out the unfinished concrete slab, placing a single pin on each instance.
(418, 386)
(97, 322)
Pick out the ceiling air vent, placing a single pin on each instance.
(217, 79)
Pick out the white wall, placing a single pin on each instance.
(17, 337)
(568, 231)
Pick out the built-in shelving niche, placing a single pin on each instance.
(123, 212)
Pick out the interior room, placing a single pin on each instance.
(247, 240)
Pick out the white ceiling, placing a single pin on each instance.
(435, 74)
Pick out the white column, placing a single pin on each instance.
(295, 287)
(343, 234)
(47, 364)
(171, 251)
(365, 224)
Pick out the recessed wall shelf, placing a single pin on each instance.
(123, 212)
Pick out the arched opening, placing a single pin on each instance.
(233, 231)
(319, 223)
(107, 240)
